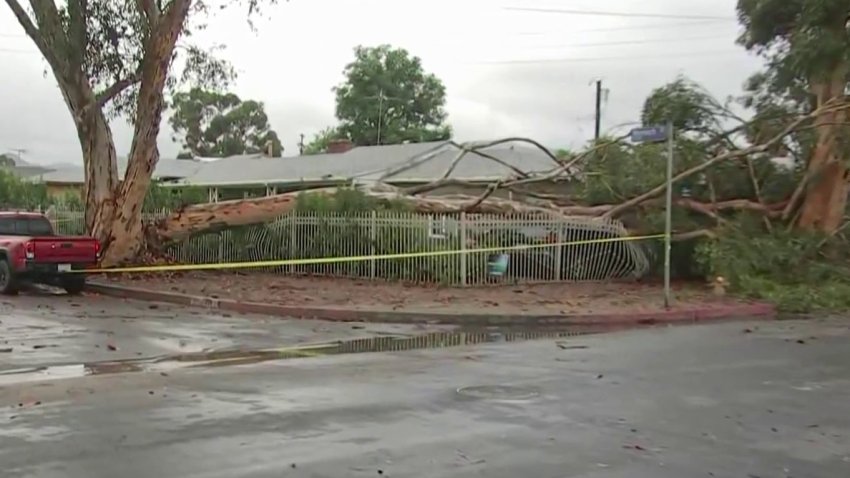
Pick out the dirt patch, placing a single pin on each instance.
(561, 298)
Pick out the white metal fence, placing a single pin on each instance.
(448, 248)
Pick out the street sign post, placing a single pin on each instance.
(658, 134)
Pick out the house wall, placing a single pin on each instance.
(60, 190)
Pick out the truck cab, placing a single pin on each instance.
(30, 251)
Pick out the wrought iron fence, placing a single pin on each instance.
(460, 249)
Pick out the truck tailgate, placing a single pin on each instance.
(65, 249)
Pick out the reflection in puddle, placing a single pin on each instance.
(9, 377)
(220, 358)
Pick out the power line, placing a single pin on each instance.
(627, 28)
(610, 58)
(618, 14)
(633, 42)
(533, 47)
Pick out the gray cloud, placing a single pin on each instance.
(298, 52)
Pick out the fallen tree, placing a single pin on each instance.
(189, 220)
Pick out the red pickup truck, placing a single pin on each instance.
(31, 252)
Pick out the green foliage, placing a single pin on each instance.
(349, 224)
(218, 125)
(108, 41)
(162, 198)
(387, 98)
(16, 193)
(683, 102)
(321, 140)
(801, 38)
(7, 161)
(799, 272)
(345, 201)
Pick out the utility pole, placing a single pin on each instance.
(380, 113)
(598, 128)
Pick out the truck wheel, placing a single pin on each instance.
(8, 285)
(74, 285)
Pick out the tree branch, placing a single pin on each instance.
(29, 27)
(149, 10)
(115, 89)
(829, 107)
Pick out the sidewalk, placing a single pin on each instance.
(614, 304)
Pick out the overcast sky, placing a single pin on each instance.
(507, 72)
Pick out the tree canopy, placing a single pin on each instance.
(807, 46)
(116, 57)
(215, 124)
(320, 141)
(388, 98)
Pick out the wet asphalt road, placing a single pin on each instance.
(707, 401)
(42, 330)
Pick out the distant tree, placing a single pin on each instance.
(387, 98)
(7, 161)
(320, 141)
(218, 125)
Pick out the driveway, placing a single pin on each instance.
(732, 400)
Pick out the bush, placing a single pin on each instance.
(798, 272)
(16, 193)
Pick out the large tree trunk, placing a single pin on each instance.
(113, 209)
(126, 237)
(101, 172)
(825, 199)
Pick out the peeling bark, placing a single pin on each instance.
(825, 199)
(126, 238)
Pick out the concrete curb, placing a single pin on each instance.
(620, 319)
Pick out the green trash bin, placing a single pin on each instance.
(497, 265)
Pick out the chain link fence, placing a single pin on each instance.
(463, 249)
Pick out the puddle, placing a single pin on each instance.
(10, 377)
(498, 392)
(223, 358)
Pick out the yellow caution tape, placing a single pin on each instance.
(333, 260)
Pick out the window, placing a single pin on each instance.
(25, 226)
(7, 226)
(437, 227)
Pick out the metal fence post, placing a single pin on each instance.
(559, 250)
(373, 236)
(463, 278)
(293, 239)
(221, 239)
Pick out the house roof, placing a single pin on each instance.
(413, 162)
(419, 162)
(471, 167)
(165, 169)
(259, 169)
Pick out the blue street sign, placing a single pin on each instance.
(649, 134)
